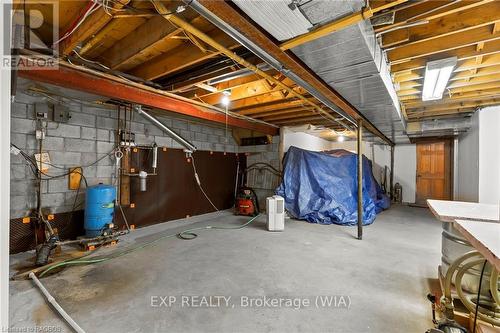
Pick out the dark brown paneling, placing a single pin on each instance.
(173, 192)
(22, 236)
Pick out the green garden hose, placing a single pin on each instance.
(186, 234)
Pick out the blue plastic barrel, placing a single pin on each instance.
(99, 209)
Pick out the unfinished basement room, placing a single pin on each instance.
(250, 166)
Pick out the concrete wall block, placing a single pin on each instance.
(195, 127)
(141, 139)
(83, 119)
(179, 124)
(163, 141)
(150, 129)
(102, 134)
(17, 160)
(58, 185)
(19, 140)
(18, 171)
(89, 133)
(50, 143)
(65, 131)
(106, 159)
(212, 138)
(88, 158)
(188, 135)
(19, 110)
(18, 203)
(96, 111)
(106, 123)
(136, 127)
(200, 136)
(221, 132)
(105, 171)
(21, 186)
(165, 120)
(78, 145)
(19, 125)
(61, 158)
(53, 200)
(69, 198)
(90, 172)
(105, 147)
(207, 129)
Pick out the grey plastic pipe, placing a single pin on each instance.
(56, 305)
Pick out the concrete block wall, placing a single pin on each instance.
(88, 136)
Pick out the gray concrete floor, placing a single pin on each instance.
(384, 278)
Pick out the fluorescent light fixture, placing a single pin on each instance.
(437, 75)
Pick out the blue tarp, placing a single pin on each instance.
(322, 187)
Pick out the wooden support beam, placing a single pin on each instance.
(147, 42)
(339, 24)
(285, 116)
(95, 22)
(450, 42)
(462, 53)
(414, 99)
(459, 22)
(280, 105)
(282, 112)
(181, 57)
(430, 10)
(412, 116)
(452, 105)
(99, 84)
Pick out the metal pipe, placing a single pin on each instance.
(360, 178)
(252, 47)
(155, 158)
(56, 305)
(179, 139)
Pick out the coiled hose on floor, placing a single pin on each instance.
(186, 234)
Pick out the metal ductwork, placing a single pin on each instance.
(349, 60)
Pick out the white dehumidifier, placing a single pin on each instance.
(275, 208)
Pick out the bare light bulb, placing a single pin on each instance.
(225, 100)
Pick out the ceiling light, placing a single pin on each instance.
(225, 98)
(437, 75)
(340, 138)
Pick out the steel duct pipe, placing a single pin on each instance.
(179, 139)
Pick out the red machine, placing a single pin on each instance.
(246, 202)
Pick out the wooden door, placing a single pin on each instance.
(434, 171)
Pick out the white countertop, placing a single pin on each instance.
(484, 237)
(449, 211)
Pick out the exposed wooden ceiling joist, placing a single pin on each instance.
(463, 53)
(458, 22)
(419, 49)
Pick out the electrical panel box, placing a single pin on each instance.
(61, 114)
(42, 110)
(275, 207)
